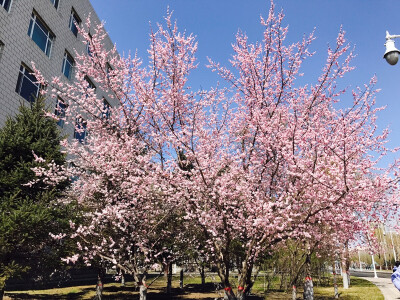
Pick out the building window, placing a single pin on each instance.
(90, 83)
(27, 86)
(88, 46)
(6, 4)
(106, 109)
(108, 70)
(80, 129)
(40, 34)
(74, 22)
(1, 48)
(55, 3)
(67, 65)
(60, 112)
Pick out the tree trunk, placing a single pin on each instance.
(270, 278)
(308, 284)
(143, 292)
(319, 275)
(245, 282)
(122, 279)
(282, 281)
(241, 296)
(1, 293)
(169, 278)
(181, 279)
(99, 285)
(229, 294)
(202, 275)
(308, 289)
(335, 287)
(344, 275)
(142, 286)
(345, 266)
(249, 281)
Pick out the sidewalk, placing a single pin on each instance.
(386, 286)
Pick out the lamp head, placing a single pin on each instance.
(391, 54)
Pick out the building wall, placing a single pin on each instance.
(20, 48)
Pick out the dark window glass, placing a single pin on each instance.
(80, 129)
(108, 70)
(1, 48)
(6, 4)
(106, 109)
(55, 3)
(90, 83)
(74, 22)
(40, 34)
(67, 66)
(26, 85)
(60, 112)
(88, 47)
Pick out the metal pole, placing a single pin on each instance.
(373, 263)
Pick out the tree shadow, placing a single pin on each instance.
(70, 296)
(191, 291)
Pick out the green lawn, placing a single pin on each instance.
(360, 290)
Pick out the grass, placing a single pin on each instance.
(360, 290)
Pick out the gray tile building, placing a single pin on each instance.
(43, 32)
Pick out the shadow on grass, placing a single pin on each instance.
(191, 291)
(200, 288)
(71, 295)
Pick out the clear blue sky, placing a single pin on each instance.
(215, 23)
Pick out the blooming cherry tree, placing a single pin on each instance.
(255, 163)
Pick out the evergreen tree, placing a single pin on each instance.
(28, 213)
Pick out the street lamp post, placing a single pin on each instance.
(392, 57)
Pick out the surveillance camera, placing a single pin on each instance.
(392, 57)
(391, 54)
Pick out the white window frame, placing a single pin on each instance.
(50, 36)
(60, 112)
(56, 3)
(3, 3)
(64, 64)
(74, 17)
(22, 71)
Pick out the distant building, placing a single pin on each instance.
(42, 31)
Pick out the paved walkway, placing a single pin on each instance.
(386, 286)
